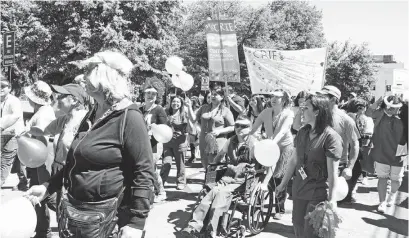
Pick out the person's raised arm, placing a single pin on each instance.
(190, 112)
(257, 123)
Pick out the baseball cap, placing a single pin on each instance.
(72, 89)
(353, 94)
(331, 90)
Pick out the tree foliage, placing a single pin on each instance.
(350, 67)
(50, 34)
(281, 25)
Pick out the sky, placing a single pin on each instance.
(384, 25)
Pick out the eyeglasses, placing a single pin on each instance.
(239, 126)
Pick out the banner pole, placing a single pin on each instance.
(221, 44)
(325, 66)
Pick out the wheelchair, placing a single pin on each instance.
(250, 209)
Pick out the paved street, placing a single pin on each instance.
(359, 219)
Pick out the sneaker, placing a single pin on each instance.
(181, 186)
(278, 216)
(347, 200)
(391, 200)
(189, 232)
(382, 207)
(191, 160)
(21, 187)
(160, 198)
(364, 181)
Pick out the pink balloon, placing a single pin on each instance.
(32, 152)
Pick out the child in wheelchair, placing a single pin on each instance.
(237, 154)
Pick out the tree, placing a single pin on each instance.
(53, 33)
(350, 67)
(281, 25)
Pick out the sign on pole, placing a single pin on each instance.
(293, 70)
(222, 51)
(8, 48)
(205, 84)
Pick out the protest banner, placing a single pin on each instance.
(292, 70)
(222, 51)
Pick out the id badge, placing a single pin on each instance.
(302, 173)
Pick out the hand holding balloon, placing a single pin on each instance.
(36, 194)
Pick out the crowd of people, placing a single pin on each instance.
(105, 155)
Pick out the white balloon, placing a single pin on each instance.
(174, 65)
(342, 189)
(162, 133)
(18, 219)
(176, 81)
(267, 152)
(186, 81)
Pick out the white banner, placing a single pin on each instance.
(292, 70)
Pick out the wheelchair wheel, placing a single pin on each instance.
(259, 210)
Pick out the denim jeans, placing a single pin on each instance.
(8, 154)
(177, 151)
(216, 202)
(38, 176)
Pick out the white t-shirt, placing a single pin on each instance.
(12, 106)
(42, 118)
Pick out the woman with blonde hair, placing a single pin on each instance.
(108, 176)
(277, 122)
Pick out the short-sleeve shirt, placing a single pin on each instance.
(273, 127)
(67, 127)
(208, 122)
(345, 126)
(312, 155)
(12, 106)
(386, 138)
(42, 118)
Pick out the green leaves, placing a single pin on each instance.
(350, 67)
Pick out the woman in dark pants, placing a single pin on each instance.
(177, 146)
(318, 148)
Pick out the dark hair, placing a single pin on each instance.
(205, 98)
(302, 94)
(321, 104)
(259, 106)
(195, 103)
(331, 97)
(355, 103)
(182, 106)
(394, 99)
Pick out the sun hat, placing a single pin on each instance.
(39, 93)
(331, 90)
(72, 89)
